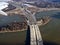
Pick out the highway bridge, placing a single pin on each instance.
(35, 35)
(36, 38)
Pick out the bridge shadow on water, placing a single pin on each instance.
(28, 37)
(27, 42)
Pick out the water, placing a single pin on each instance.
(7, 19)
(51, 31)
(12, 38)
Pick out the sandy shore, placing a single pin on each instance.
(12, 31)
(47, 9)
(40, 23)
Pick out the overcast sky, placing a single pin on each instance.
(4, 0)
(2, 4)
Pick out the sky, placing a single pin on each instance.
(4, 0)
(36, 0)
(3, 4)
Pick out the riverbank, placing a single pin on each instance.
(13, 27)
(43, 21)
(12, 31)
(47, 9)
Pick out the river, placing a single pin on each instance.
(12, 38)
(8, 19)
(51, 31)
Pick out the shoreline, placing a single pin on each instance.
(47, 9)
(12, 31)
(46, 22)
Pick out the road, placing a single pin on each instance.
(19, 5)
(36, 38)
(35, 35)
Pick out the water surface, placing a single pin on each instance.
(51, 31)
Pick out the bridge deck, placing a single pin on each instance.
(36, 38)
